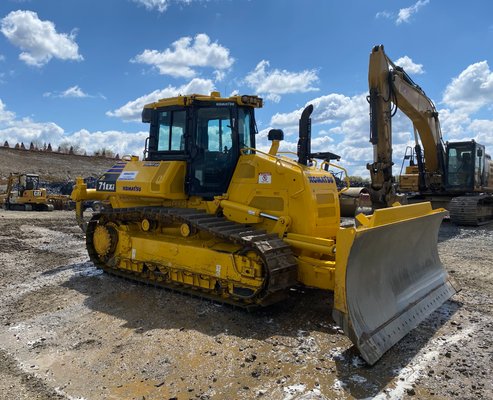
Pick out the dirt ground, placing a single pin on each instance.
(51, 167)
(67, 331)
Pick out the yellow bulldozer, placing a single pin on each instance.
(208, 213)
(25, 194)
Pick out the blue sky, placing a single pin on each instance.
(79, 71)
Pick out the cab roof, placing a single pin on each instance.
(188, 100)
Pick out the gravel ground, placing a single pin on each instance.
(67, 331)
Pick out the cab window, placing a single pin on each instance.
(171, 131)
(244, 128)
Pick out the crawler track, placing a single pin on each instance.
(277, 257)
(471, 210)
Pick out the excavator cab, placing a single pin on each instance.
(465, 166)
(29, 182)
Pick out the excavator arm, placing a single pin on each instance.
(391, 89)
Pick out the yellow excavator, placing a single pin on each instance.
(25, 194)
(206, 212)
(454, 175)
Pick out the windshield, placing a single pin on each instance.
(460, 165)
(214, 129)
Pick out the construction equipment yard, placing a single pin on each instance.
(69, 331)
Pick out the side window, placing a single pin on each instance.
(171, 131)
(164, 128)
(478, 168)
(244, 128)
(219, 135)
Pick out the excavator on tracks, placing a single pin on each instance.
(207, 212)
(454, 175)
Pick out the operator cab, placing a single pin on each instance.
(208, 132)
(27, 182)
(465, 166)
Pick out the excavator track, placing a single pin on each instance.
(276, 255)
(471, 210)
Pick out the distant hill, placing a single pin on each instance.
(51, 166)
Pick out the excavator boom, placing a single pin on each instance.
(455, 175)
(390, 89)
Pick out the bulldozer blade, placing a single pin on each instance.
(389, 277)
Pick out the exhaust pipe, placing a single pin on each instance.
(304, 141)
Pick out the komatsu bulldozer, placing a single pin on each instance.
(208, 213)
(25, 194)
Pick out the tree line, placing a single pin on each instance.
(63, 148)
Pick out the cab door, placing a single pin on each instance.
(214, 151)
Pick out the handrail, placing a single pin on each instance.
(346, 177)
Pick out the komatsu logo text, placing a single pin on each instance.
(132, 188)
(320, 179)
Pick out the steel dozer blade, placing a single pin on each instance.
(389, 277)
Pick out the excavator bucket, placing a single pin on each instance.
(389, 277)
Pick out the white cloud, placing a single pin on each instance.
(133, 109)
(384, 14)
(409, 65)
(453, 123)
(405, 14)
(119, 142)
(219, 75)
(341, 124)
(459, 126)
(481, 130)
(71, 92)
(185, 54)
(330, 108)
(159, 5)
(2, 57)
(74, 91)
(472, 89)
(26, 130)
(5, 116)
(276, 82)
(334, 115)
(38, 39)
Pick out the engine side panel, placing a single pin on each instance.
(281, 187)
